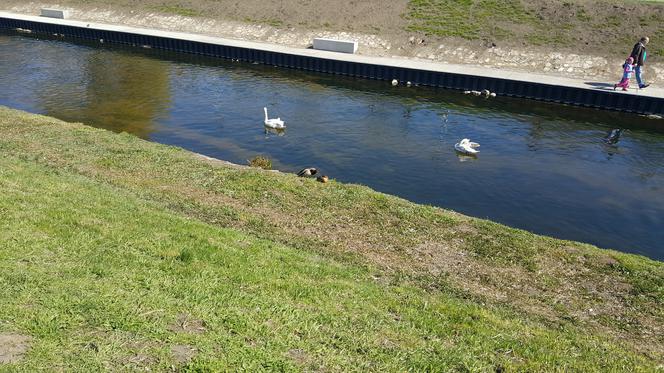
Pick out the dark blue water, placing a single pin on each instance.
(542, 167)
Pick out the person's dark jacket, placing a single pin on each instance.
(639, 54)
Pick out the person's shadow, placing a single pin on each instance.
(602, 86)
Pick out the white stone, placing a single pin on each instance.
(54, 13)
(343, 46)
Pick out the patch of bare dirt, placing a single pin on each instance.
(139, 360)
(299, 357)
(13, 347)
(141, 353)
(186, 324)
(183, 354)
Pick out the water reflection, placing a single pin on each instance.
(117, 91)
(542, 167)
(124, 93)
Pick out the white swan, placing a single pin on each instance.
(273, 123)
(465, 146)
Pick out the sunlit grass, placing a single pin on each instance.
(551, 25)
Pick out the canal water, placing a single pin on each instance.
(542, 167)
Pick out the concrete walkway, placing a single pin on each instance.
(651, 91)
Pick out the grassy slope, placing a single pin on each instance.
(603, 27)
(107, 241)
(84, 264)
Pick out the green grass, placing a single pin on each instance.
(177, 10)
(486, 19)
(464, 18)
(596, 27)
(470, 19)
(108, 243)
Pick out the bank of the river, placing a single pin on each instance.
(578, 39)
(118, 252)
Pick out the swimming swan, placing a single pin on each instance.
(465, 146)
(273, 123)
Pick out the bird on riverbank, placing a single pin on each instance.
(307, 172)
(614, 136)
(465, 146)
(323, 179)
(273, 123)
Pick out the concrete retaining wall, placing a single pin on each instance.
(345, 64)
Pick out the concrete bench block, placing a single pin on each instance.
(54, 13)
(343, 46)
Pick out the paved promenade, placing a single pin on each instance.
(652, 91)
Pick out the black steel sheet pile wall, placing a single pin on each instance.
(530, 90)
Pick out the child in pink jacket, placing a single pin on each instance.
(628, 69)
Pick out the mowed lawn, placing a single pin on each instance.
(97, 276)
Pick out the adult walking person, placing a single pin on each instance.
(639, 55)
